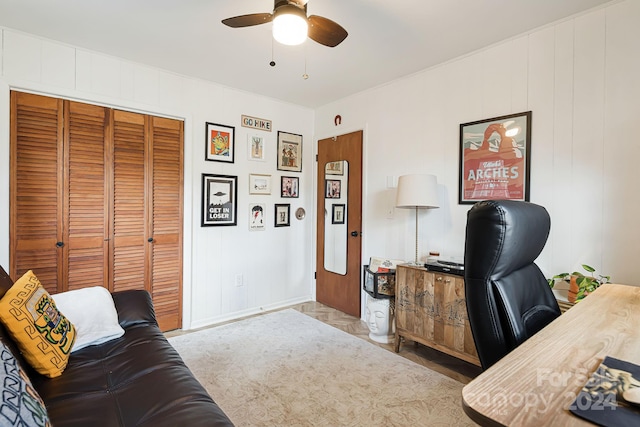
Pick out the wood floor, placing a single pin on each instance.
(433, 359)
(447, 365)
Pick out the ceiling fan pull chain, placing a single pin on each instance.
(305, 75)
(272, 63)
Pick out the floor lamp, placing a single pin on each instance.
(417, 191)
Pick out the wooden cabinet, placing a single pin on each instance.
(431, 310)
(96, 199)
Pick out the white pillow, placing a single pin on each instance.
(92, 312)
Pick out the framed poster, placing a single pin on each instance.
(289, 152)
(255, 147)
(334, 168)
(332, 189)
(220, 143)
(495, 157)
(337, 213)
(289, 186)
(257, 219)
(282, 215)
(259, 183)
(219, 200)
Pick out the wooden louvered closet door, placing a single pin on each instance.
(35, 208)
(87, 195)
(129, 201)
(96, 199)
(166, 219)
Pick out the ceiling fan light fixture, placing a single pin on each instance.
(290, 25)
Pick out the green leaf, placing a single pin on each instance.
(588, 268)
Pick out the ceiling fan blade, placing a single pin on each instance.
(248, 20)
(325, 31)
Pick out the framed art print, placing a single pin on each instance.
(257, 219)
(495, 157)
(219, 200)
(334, 168)
(289, 152)
(255, 147)
(332, 188)
(220, 143)
(289, 186)
(259, 183)
(337, 213)
(282, 215)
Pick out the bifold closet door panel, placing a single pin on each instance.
(130, 239)
(96, 199)
(166, 219)
(36, 236)
(86, 208)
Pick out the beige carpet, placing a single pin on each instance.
(288, 369)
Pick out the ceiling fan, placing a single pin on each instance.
(291, 25)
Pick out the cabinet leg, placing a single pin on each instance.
(396, 343)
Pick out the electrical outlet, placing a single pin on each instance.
(239, 280)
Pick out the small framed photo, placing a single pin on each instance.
(289, 186)
(289, 152)
(220, 143)
(257, 216)
(282, 215)
(495, 159)
(259, 183)
(256, 147)
(334, 168)
(337, 213)
(219, 200)
(332, 188)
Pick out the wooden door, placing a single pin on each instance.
(36, 232)
(86, 195)
(96, 199)
(165, 220)
(335, 289)
(129, 216)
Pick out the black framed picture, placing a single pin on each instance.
(495, 158)
(219, 200)
(220, 142)
(289, 156)
(332, 188)
(282, 215)
(337, 213)
(289, 186)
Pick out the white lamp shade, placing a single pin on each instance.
(290, 25)
(417, 191)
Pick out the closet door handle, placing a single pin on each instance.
(60, 244)
(150, 240)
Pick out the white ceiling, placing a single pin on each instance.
(387, 39)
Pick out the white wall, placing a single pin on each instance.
(275, 264)
(579, 77)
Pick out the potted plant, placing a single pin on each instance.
(580, 285)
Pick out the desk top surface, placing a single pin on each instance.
(537, 382)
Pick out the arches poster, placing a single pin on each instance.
(494, 159)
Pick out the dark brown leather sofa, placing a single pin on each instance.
(135, 380)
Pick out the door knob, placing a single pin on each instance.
(354, 234)
(150, 240)
(60, 244)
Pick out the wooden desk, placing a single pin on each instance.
(535, 384)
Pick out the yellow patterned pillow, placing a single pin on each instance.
(43, 334)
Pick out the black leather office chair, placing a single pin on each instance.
(508, 297)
